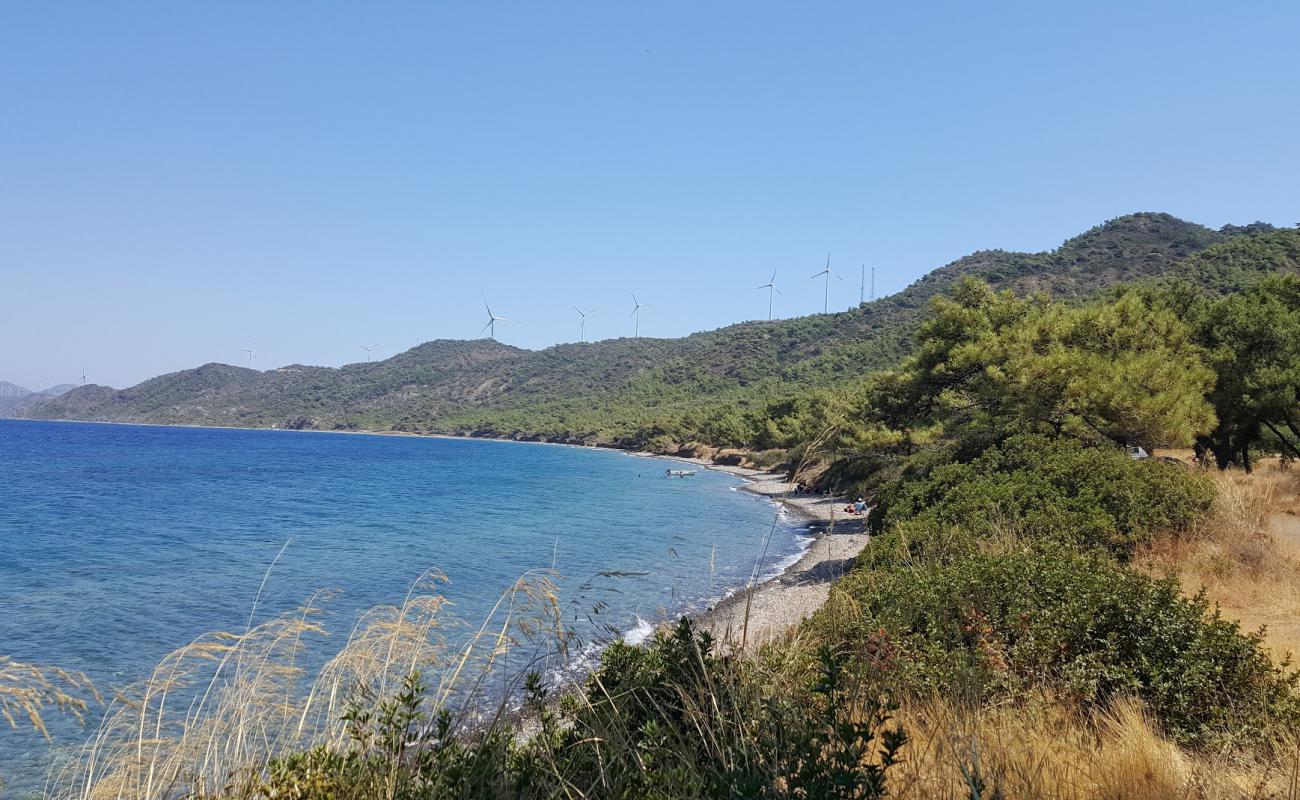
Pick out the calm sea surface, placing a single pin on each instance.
(121, 543)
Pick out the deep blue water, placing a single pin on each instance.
(121, 543)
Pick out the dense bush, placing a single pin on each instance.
(1059, 489)
(667, 720)
(993, 625)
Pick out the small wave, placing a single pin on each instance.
(641, 631)
(577, 667)
(804, 541)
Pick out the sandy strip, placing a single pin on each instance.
(773, 606)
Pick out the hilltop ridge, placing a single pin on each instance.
(607, 391)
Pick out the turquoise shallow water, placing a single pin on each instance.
(121, 543)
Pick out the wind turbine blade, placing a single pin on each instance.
(633, 314)
(764, 286)
(836, 274)
(579, 310)
(778, 291)
(818, 275)
(485, 303)
(485, 327)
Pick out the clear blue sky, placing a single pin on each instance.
(180, 180)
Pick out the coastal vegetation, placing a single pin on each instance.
(1010, 520)
(1043, 610)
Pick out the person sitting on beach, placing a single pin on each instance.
(860, 507)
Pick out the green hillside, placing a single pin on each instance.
(627, 391)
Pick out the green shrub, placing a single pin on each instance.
(397, 750)
(667, 720)
(677, 720)
(1059, 489)
(986, 627)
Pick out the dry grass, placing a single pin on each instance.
(214, 712)
(1239, 558)
(1039, 749)
(27, 691)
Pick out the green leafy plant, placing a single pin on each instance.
(989, 626)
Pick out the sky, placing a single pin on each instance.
(180, 182)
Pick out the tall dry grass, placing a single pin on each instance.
(1240, 556)
(28, 691)
(215, 712)
(1041, 749)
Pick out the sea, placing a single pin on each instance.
(122, 543)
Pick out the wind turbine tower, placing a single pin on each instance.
(493, 319)
(368, 349)
(770, 286)
(249, 350)
(582, 323)
(827, 273)
(637, 305)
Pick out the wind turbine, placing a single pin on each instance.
(368, 349)
(828, 272)
(493, 319)
(582, 325)
(249, 350)
(83, 376)
(637, 305)
(770, 286)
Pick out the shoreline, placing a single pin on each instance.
(332, 431)
(765, 608)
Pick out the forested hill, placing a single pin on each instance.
(624, 390)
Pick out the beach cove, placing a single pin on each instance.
(769, 606)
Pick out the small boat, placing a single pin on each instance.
(679, 473)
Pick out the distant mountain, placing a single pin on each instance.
(14, 399)
(622, 391)
(9, 391)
